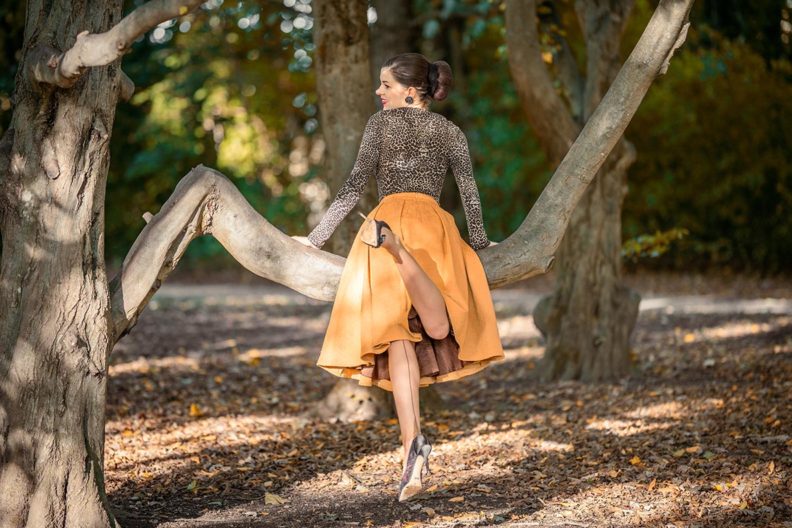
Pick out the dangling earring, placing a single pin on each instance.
(409, 99)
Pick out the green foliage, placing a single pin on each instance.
(221, 88)
(651, 245)
(713, 157)
(508, 184)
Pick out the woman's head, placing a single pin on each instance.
(411, 75)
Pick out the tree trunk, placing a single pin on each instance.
(390, 35)
(588, 319)
(343, 84)
(55, 334)
(343, 71)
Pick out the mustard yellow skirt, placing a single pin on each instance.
(372, 307)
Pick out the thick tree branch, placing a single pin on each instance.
(533, 246)
(49, 65)
(205, 202)
(545, 109)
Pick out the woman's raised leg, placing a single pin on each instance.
(425, 296)
(404, 376)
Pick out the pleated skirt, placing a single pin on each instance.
(372, 307)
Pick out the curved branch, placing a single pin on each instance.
(532, 247)
(48, 65)
(205, 202)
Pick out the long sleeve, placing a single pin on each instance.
(349, 193)
(462, 167)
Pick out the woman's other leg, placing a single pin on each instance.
(404, 376)
(426, 298)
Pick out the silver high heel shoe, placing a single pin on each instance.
(417, 460)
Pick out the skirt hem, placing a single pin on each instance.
(364, 381)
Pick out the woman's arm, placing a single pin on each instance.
(459, 159)
(349, 193)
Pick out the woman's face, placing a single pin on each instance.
(392, 93)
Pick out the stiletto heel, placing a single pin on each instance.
(425, 450)
(372, 231)
(411, 481)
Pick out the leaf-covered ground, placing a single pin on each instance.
(203, 425)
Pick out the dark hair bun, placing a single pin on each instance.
(432, 80)
(440, 80)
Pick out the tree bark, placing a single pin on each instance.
(56, 330)
(343, 84)
(55, 333)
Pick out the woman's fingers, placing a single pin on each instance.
(304, 240)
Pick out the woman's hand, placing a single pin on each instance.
(304, 240)
(491, 243)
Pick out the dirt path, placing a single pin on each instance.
(205, 393)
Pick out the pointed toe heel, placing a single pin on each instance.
(412, 482)
(372, 231)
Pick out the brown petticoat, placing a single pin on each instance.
(436, 357)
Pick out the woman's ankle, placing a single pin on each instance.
(393, 245)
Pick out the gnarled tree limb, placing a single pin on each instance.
(205, 202)
(90, 50)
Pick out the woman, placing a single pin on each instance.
(413, 306)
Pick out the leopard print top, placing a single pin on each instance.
(409, 149)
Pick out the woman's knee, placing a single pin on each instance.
(438, 330)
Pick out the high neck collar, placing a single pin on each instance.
(405, 108)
